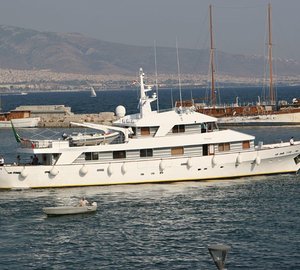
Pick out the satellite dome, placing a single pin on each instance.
(120, 111)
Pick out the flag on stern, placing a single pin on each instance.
(19, 139)
(17, 136)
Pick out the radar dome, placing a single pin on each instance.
(120, 111)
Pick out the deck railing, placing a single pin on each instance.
(36, 144)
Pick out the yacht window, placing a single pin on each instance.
(119, 154)
(246, 144)
(210, 126)
(205, 150)
(224, 147)
(211, 149)
(145, 131)
(203, 128)
(91, 155)
(88, 156)
(178, 129)
(297, 159)
(146, 153)
(175, 151)
(95, 156)
(134, 131)
(55, 157)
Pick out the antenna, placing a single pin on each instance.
(156, 84)
(213, 95)
(272, 95)
(179, 80)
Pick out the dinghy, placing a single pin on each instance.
(88, 139)
(70, 210)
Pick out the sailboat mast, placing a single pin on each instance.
(178, 69)
(213, 94)
(272, 95)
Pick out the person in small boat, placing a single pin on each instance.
(1, 161)
(65, 136)
(83, 202)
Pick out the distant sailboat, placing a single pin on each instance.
(93, 92)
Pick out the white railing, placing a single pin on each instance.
(36, 144)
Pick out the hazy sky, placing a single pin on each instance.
(239, 25)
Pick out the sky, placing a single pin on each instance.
(239, 26)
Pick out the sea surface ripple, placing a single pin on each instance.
(159, 226)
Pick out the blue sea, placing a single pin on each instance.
(80, 102)
(153, 226)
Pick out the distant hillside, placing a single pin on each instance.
(72, 52)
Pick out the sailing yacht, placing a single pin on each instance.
(93, 92)
(262, 113)
(179, 144)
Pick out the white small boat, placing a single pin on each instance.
(81, 139)
(70, 210)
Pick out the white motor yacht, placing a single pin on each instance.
(151, 147)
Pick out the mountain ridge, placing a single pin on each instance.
(22, 48)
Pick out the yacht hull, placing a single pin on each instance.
(268, 160)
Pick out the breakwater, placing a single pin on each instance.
(60, 116)
(64, 121)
